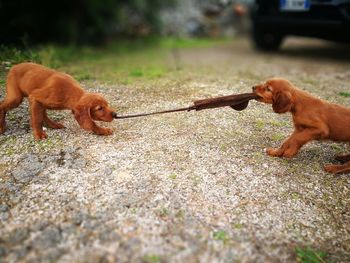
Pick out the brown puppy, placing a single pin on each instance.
(314, 119)
(49, 89)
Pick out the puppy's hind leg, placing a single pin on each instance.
(337, 169)
(13, 98)
(52, 124)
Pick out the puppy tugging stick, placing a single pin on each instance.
(238, 102)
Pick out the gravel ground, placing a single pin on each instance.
(182, 187)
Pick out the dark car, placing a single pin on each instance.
(272, 20)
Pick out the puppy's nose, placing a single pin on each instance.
(114, 114)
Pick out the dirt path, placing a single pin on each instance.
(183, 187)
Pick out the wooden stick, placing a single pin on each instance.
(238, 102)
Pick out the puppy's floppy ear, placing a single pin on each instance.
(83, 116)
(282, 102)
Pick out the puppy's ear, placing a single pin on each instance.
(83, 116)
(282, 102)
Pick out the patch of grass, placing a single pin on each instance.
(224, 147)
(295, 196)
(277, 137)
(237, 225)
(12, 55)
(221, 235)
(8, 150)
(163, 212)
(11, 116)
(258, 155)
(292, 170)
(123, 62)
(172, 176)
(180, 214)
(345, 94)
(278, 123)
(45, 145)
(155, 72)
(337, 148)
(285, 161)
(126, 81)
(308, 255)
(310, 81)
(48, 56)
(151, 258)
(150, 73)
(260, 124)
(136, 73)
(82, 76)
(114, 62)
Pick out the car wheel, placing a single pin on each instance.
(265, 40)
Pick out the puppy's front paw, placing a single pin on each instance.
(274, 152)
(289, 153)
(108, 131)
(105, 131)
(40, 135)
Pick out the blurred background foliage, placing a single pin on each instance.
(77, 21)
(87, 32)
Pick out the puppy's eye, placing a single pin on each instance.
(99, 108)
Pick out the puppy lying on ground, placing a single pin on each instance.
(314, 119)
(49, 89)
